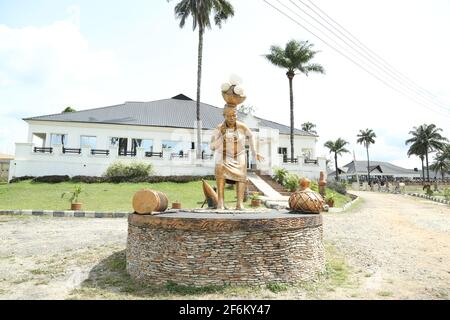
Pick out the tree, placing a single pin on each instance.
(294, 57)
(69, 109)
(338, 147)
(442, 162)
(418, 149)
(428, 138)
(201, 10)
(366, 137)
(309, 127)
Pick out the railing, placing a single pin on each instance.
(127, 153)
(290, 160)
(154, 154)
(71, 150)
(179, 155)
(43, 150)
(207, 156)
(311, 161)
(99, 152)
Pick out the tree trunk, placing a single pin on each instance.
(290, 76)
(428, 170)
(199, 81)
(335, 163)
(368, 165)
(423, 171)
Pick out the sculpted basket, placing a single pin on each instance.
(306, 200)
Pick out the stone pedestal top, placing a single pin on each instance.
(213, 221)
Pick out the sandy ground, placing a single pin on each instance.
(397, 247)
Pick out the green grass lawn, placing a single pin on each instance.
(106, 197)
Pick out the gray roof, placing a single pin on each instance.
(177, 112)
(386, 168)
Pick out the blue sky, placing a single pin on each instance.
(96, 53)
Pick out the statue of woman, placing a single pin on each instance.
(228, 142)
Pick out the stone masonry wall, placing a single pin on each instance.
(204, 251)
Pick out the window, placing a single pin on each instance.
(307, 153)
(57, 138)
(90, 141)
(175, 146)
(205, 148)
(142, 143)
(122, 143)
(282, 150)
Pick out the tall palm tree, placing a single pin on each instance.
(294, 57)
(418, 149)
(366, 137)
(309, 127)
(201, 10)
(429, 138)
(442, 162)
(338, 147)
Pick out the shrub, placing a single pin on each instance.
(314, 186)
(23, 178)
(337, 186)
(51, 179)
(133, 170)
(446, 193)
(429, 192)
(280, 175)
(88, 179)
(292, 182)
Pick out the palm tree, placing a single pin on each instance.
(442, 162)
(429, 138)
(309, 127)
(201, 10)
(338, 147)
(366, 137)
(418, 149)
(294, 57)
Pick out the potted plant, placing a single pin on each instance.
(329, 199)
(74, 204)
(176, 205)
(256, 200)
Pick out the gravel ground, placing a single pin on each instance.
(396, 247)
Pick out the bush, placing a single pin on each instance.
(446, 193)
(337, 186)
(51, 179)
(88, 179)
(280, 175)
(133, 170)
(23, 178)
(292, 182)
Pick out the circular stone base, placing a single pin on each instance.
(199, 249)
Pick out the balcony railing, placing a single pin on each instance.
(71, 150)
(103, 152)
(180, 155)
(127, 153)
(311, 161)
(43, 150)
(154, 154)
(290, 160)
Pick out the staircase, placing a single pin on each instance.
(275, 185)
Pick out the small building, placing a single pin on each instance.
(161, 132)
(5, 160)
(379, 170)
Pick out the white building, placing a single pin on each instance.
(160, 132)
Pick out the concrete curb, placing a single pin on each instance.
(345, 207)
(65, 214)
(435, 199)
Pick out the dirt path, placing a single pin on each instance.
(398, 246)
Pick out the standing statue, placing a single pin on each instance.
(228, 142)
